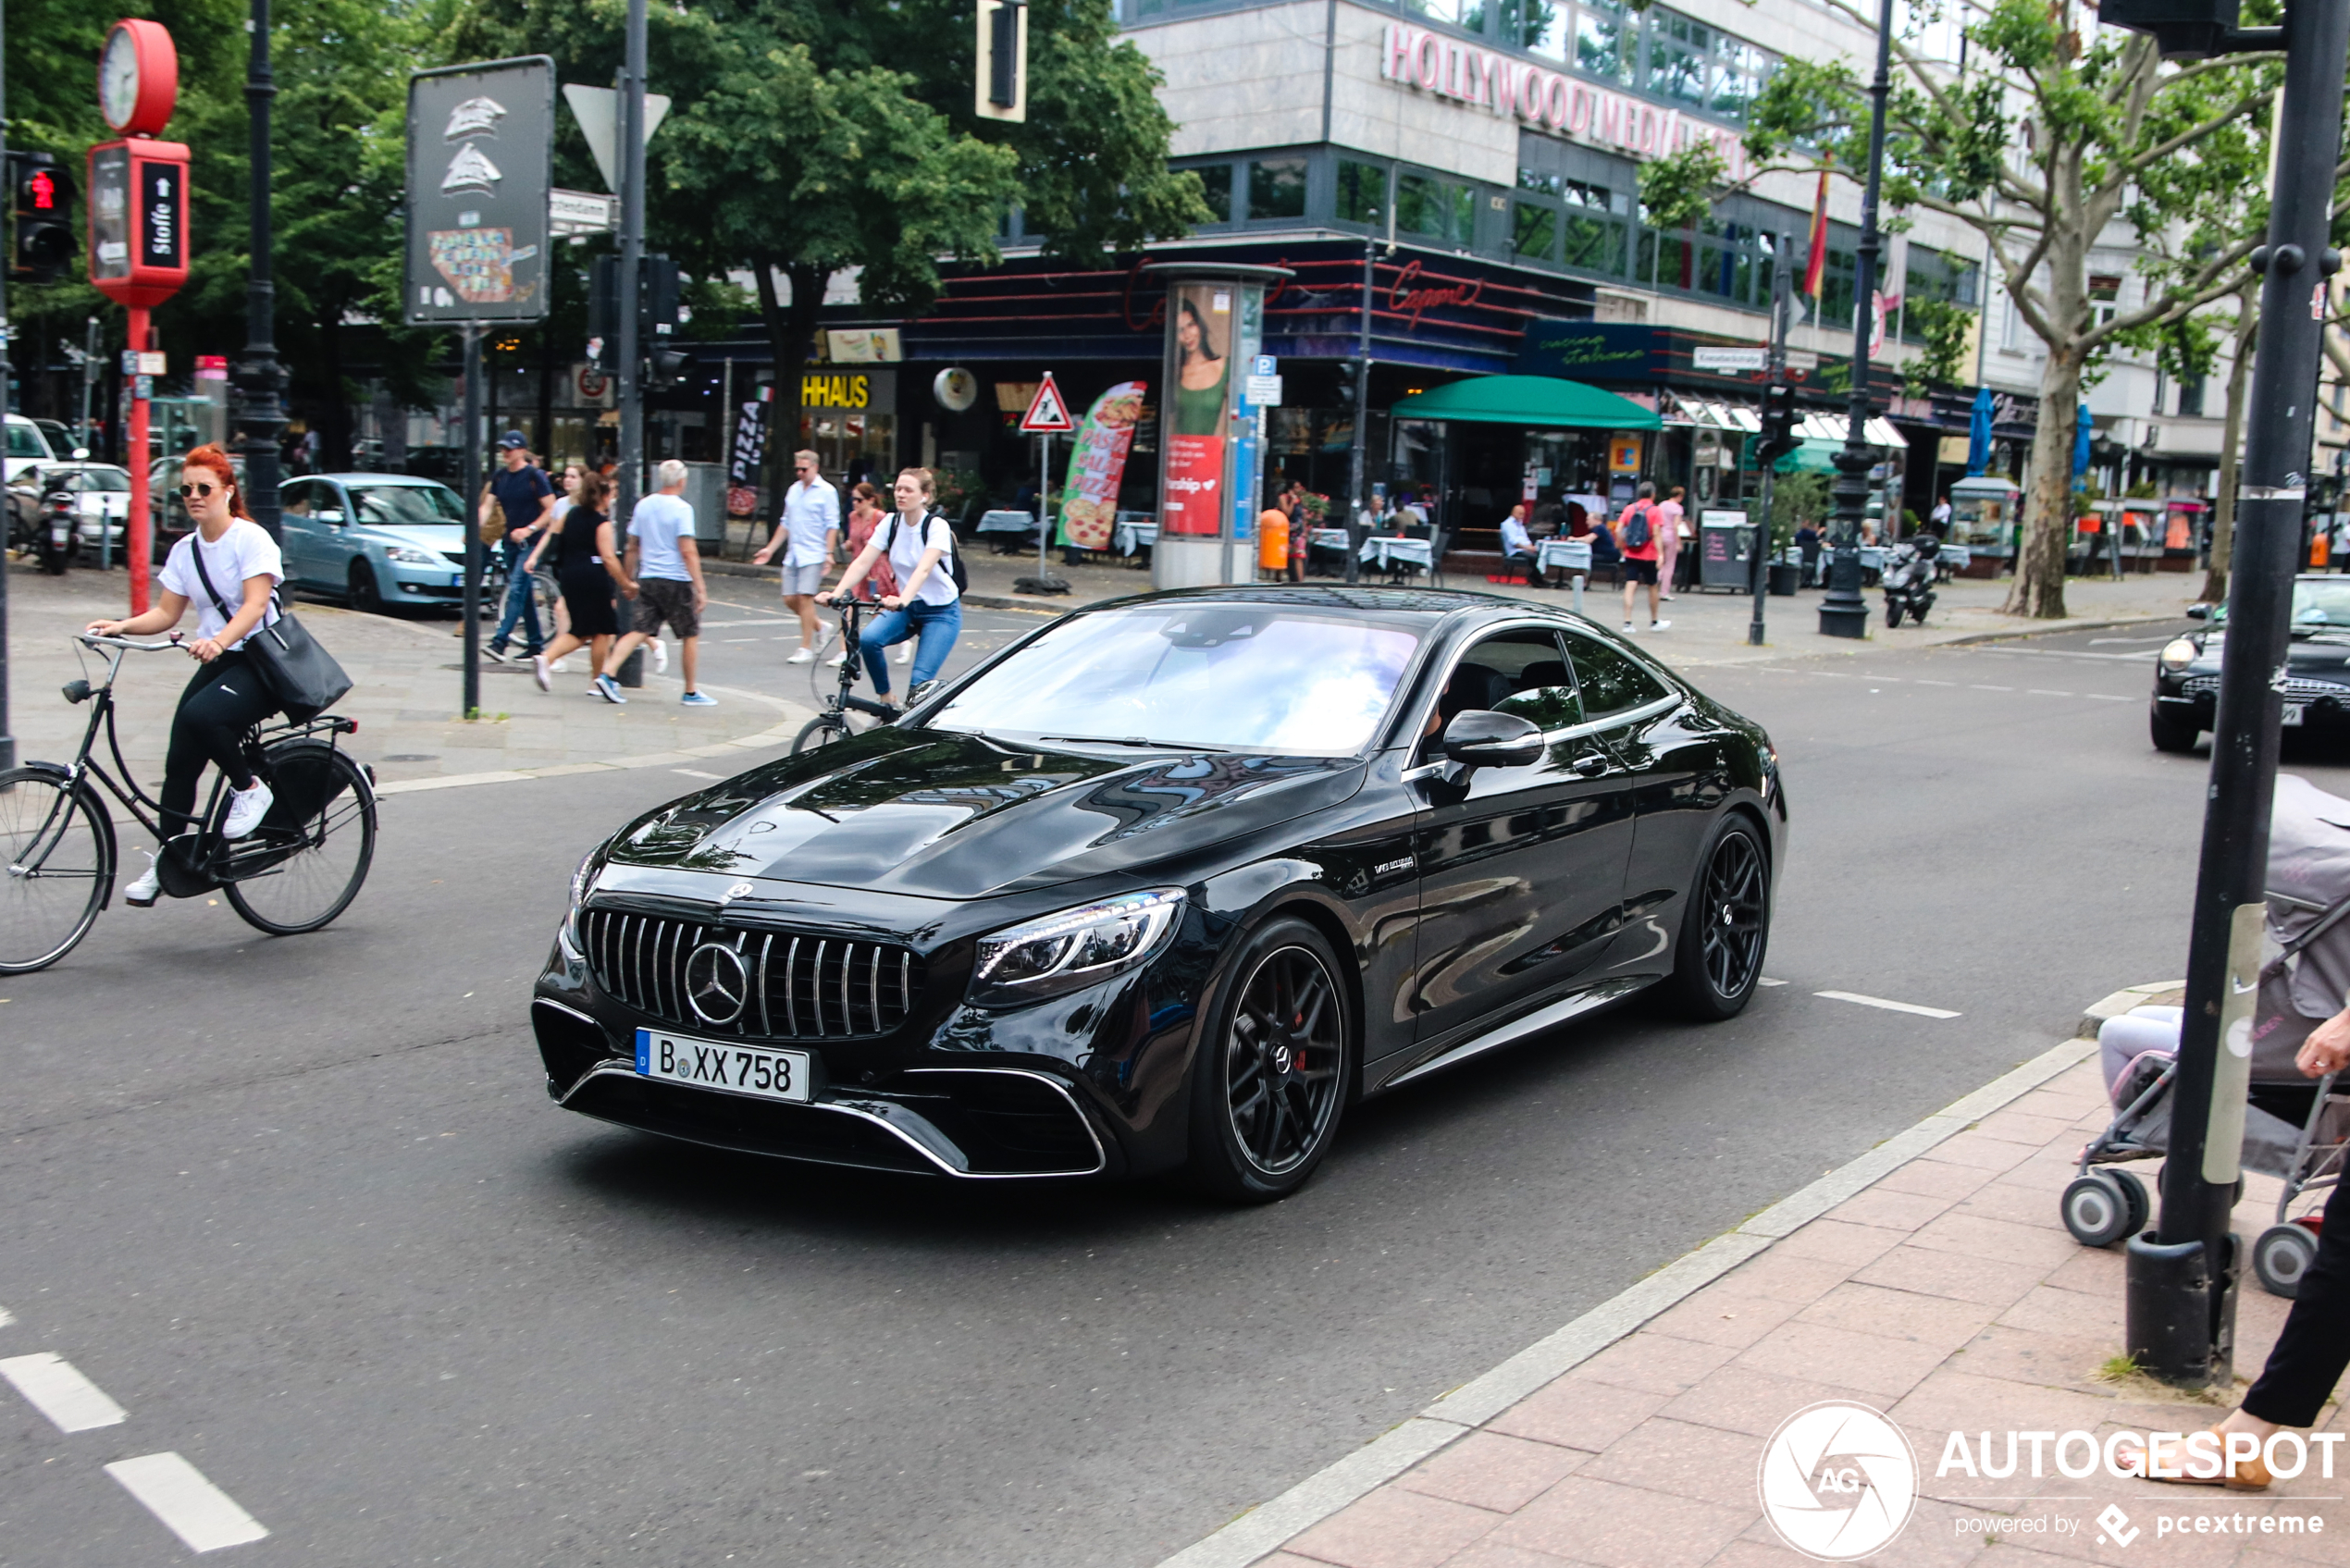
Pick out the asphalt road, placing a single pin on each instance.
(302, 1208)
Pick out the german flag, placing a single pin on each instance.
(1819, 261)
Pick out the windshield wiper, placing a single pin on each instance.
(1134, 741)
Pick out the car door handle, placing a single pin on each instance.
(1590, 765)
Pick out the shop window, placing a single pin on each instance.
(2105, 291)
(1836, 286)
(1548, 26)
(1677, 51)
(1497, 20)
(1276, 189)
(1362, 191)
(1216, 190)
(1603, 42)
(1737, 77)
(1438, 10)
(1595, 245)
(2191, 397)
(1579, 194)
(1535, 180)
(1537, 231)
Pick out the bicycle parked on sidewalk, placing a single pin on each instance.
(839, 718)
(295, 872)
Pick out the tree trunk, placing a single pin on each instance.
(2039, 558)
(791, 332)
(2223, 520)
(334, 442)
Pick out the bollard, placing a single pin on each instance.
(1579, 593)
(632, 669)
(2178, 1332)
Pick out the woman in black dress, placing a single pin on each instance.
(587, 569)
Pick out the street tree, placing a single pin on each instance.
(2049, 143)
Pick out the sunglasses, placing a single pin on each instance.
(200, 490)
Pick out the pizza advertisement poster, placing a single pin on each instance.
(1097, 465)
(478, 263)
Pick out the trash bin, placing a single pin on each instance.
(1272, 541)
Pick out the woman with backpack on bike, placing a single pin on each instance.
(226, 558)
(927, 605)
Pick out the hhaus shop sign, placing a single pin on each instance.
(1520, 90)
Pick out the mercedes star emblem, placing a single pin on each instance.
(740, 889)
(716, 982)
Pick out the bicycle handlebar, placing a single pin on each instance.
(92, 640)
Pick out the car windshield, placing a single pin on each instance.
(2321, 607)
(98, 479)
(401, 505)
(24, 440)
(1280, 680)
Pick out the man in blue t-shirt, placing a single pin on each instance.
(525, 496)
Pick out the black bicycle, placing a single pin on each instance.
(840, 717)
(295, 872)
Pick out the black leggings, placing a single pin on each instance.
(2315, 1345)
(223, 700)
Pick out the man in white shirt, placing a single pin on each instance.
(1518, 545)
(664, 578)
(808, 533)
(1939, 520)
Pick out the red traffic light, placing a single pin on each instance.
(41, 191)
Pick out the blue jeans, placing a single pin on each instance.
(522, 604)
(936, 626)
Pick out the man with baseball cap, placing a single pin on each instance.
(525, 497)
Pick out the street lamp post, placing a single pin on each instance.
(2180, 1289)
(629, 391)
(1844, 613)
(258, 375)
(1355, 500)
(8, 740)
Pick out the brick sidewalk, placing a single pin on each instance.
(1947, 1295)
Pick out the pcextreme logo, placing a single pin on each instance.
(1839, 1481)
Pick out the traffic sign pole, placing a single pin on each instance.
(1047, 416)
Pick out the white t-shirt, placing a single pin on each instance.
(244, 549)
(657, 524)
(906, 546)
(811, 510)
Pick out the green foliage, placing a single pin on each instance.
(1677, 191)
(1945, 326)
(1796, 499)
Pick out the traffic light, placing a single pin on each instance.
(2183, 29)
(1779, 417)
(665, 367)
(41, 216)
(657, 292)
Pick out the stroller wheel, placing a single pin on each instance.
(2133, 1193)
(2281, 1256)
(2097, 1209)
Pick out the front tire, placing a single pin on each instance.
(1892, 612)
(1718, 961)
(57, 867)
(823, 730)
(366, 597)
(2168, 733)
(1274, 1068)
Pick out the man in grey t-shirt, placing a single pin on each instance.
(664, 578)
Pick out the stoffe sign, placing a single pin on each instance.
(480, 174)
(1047, 413)
(138, 220)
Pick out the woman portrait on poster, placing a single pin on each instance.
(1199, 394)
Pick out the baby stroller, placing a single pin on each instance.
(2294, 1128)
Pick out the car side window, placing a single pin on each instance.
(1610, 681)
(1518, 672)
(299, 499)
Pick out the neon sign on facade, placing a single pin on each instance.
(1520, 90)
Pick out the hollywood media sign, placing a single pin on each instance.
(1520, 90)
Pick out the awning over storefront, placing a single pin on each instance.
(1544, 401)
(1878, 432)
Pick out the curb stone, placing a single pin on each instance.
(1263, 1529)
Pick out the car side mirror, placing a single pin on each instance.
(1481, 738)
(2198, 612)
(329, 516)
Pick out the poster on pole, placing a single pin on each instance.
(1199, 405)
(480, 174)
(1097, 466)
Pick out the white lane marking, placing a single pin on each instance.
(2065, 653)
(1990, 689)
(1889, 1006)
(56, 1387)
(7, 1317)
(2134, 642)
(698, 774)
(1766, 980)
(1923, 682)
(2107, 696)
(2043, 691)
(175, 1492)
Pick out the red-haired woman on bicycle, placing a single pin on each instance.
(227, 567)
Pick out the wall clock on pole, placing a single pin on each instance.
(138, 77)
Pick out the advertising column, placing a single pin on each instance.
(1208, 455)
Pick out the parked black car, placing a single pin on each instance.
(2317, 688)
(1171, 881)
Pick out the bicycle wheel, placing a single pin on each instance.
(304, 865)
(823, 730)
(56, 864)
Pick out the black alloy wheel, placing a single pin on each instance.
(1892, 612)
(364, 596)
(1728, 925)
(1273, 1076)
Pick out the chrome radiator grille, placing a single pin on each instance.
(793, 986)
(2298, 687)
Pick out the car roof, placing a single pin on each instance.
(417, 479)
(1422, 601)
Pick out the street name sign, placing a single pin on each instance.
(1730, 359)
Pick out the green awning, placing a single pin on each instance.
(1539, 400)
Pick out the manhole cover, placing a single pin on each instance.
(411, 757)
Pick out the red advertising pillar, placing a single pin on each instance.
(139, 232)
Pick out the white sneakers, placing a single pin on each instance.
(661, 655)
(905, 654)
(143, 892)
(802, 655)
(1627, 628)
(246, 808)
(544, 672)
(1659, 625)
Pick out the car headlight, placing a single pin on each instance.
(407, 556)
(583, 882)
(2178, 653)
(1060, 953)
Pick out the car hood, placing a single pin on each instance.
(441, 539)
(940, 815)
(2325, 657)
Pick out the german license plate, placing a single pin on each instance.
(2293, 711)
(737, 1069)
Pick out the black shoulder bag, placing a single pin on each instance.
(299, 673)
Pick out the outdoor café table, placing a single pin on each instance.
(1389, 553)
(1564, 555)
(1022, 523)
(1131, 537)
